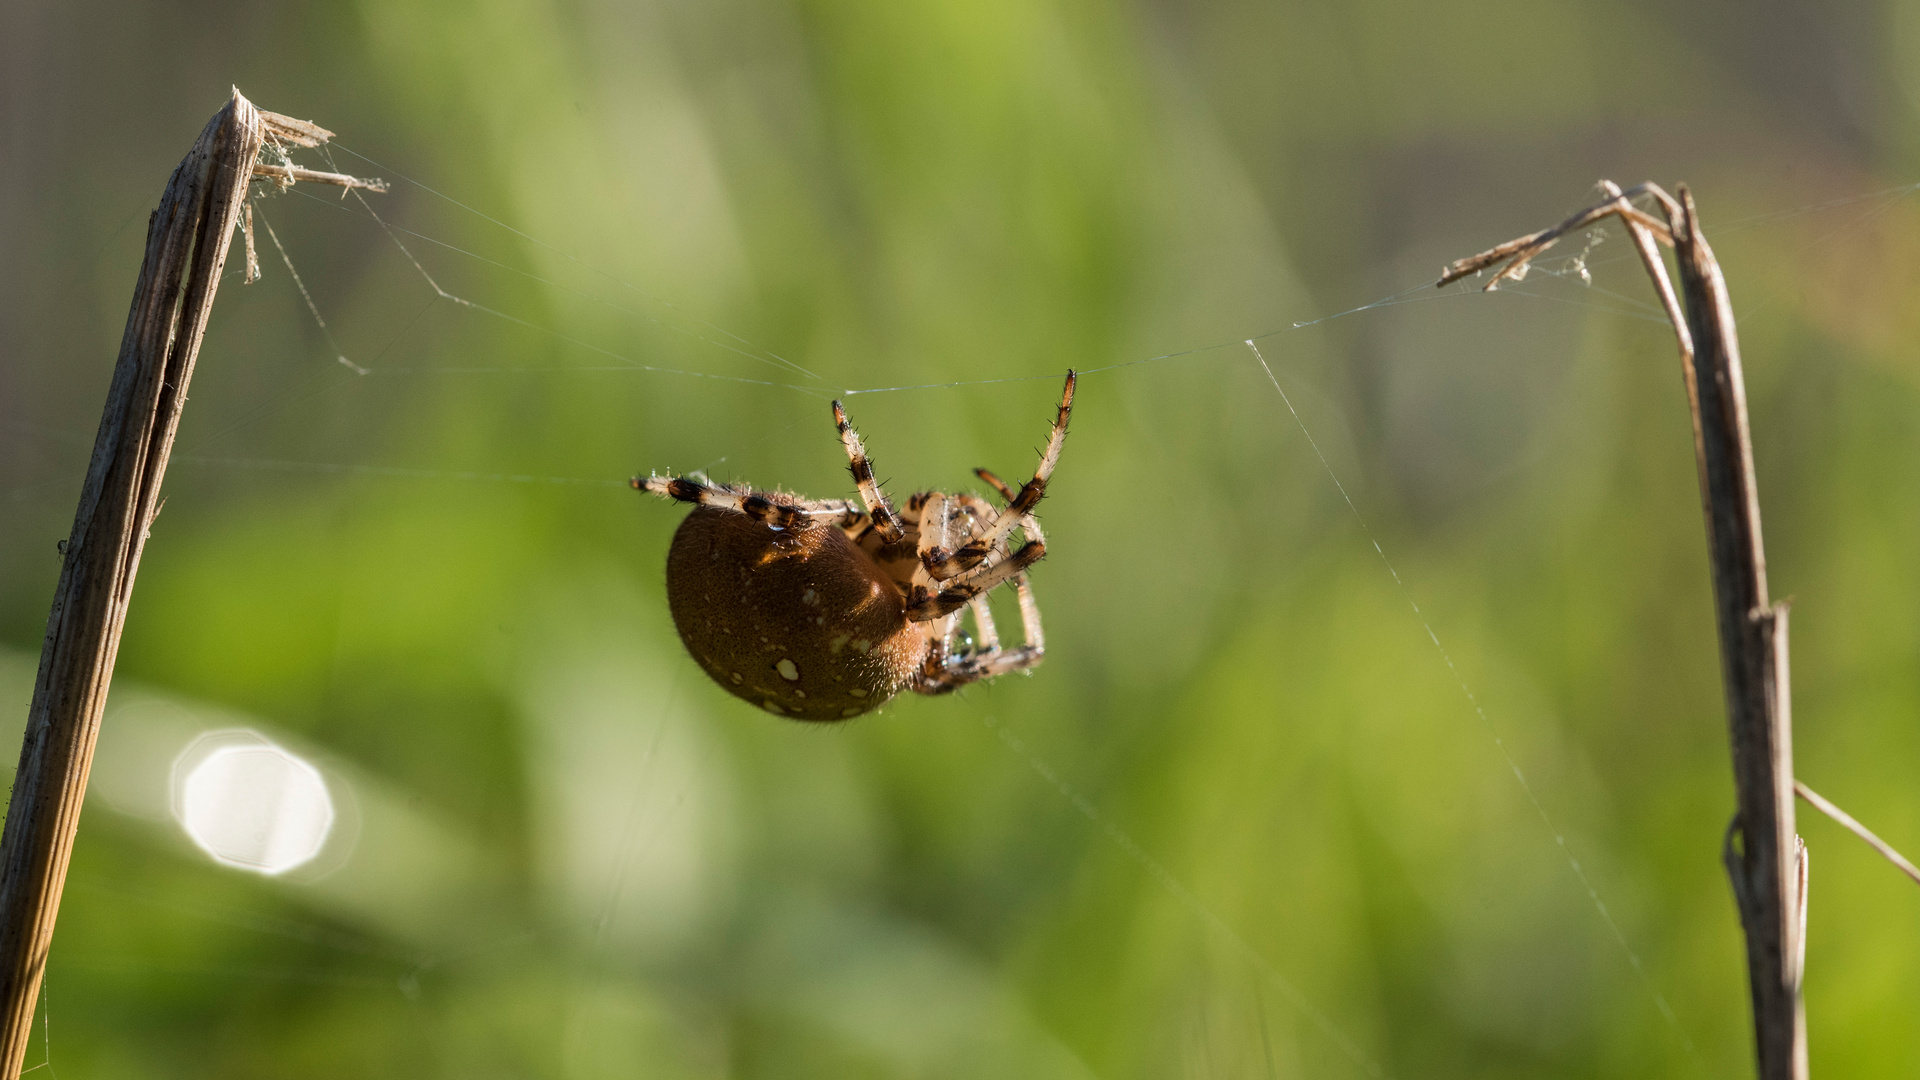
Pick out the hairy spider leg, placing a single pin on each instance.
(953, 672)
(1035, 645)
(983, 627)
(925, 515)
(943, 561)
(876, 502)
(976, 551)
(987, 665)
(937, 552)
(834, 511)
(979, 514)
(999, 485)
(979, 511)
(932, 515)
(956, 596)
(777, 515)
(932, 527)
(1028, 524)
(928, 516)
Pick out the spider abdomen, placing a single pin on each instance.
(798, 621)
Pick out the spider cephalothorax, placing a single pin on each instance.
(822, 610)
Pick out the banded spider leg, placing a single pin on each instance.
(1020, 506)
(878, 508)
(783, 514)
(971, 571)
(950, 671)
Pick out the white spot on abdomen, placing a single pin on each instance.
(788, 670)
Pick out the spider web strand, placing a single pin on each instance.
(1194, 905)
(1513, 765)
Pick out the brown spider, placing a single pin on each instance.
(824, 609)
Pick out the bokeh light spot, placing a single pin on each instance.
(256, 806)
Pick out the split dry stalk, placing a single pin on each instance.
(187, 240)
(1769, 888)
(1768, 865)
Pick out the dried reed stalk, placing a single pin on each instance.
(1768, 866)
(187, 241)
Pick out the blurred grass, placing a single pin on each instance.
(591, 863)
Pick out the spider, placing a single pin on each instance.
(825, 609)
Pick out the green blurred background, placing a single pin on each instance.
(1244, 822)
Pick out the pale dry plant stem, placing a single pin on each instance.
(1767, 866)
(187, 239)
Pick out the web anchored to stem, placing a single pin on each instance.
(1768, 868)
(707, 333)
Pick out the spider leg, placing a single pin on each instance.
(950, 673)
(931, 523)
(834, 511)
(999, 485)
(931, 514)
(983, 625)
(957, 594)
(979, 510)
(945, 672)
(1030, 494)
(986, 512)
(1036, 639)
(936, 524)
(1029, 611)
(878, 508)
(753, 504)
(1027, 523)
(994, 662)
